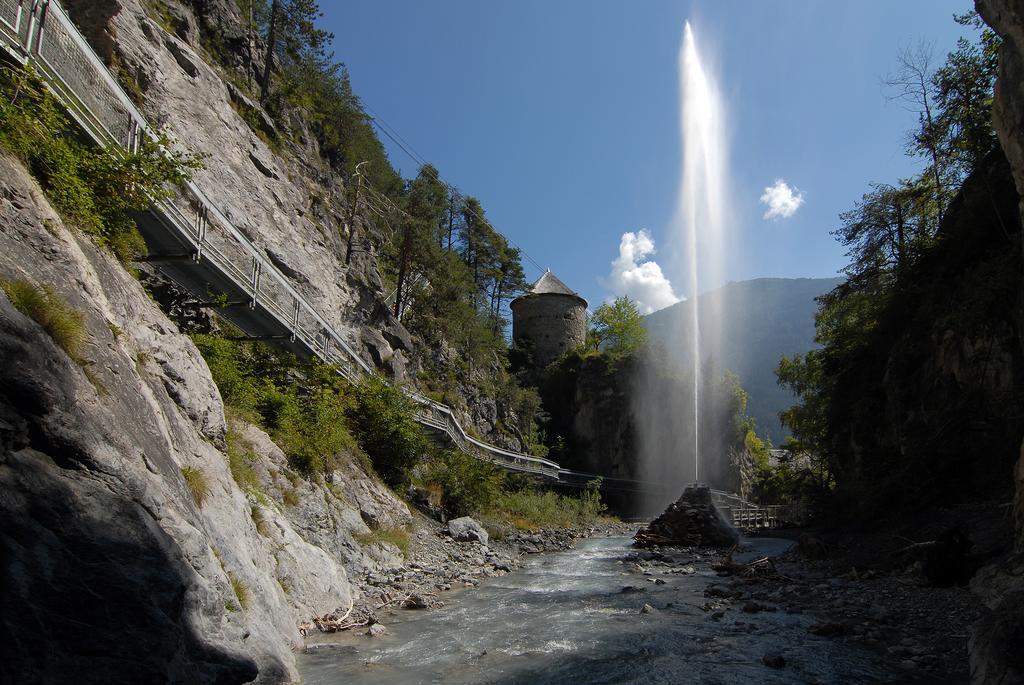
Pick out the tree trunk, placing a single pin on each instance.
(901, 244)
(451, 220)
(934, 154)
(403, 268)
(275, 10)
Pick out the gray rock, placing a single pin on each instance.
(647, 609)
(377, 630)
(265, 167)
(417, 601)
(466, 529)
(184, 57)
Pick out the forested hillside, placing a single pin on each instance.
(914, 396)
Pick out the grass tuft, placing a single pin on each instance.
(399, 537)
(241, 590)
(195, 479)
(64, 324)
(290, 497)
(262, 526)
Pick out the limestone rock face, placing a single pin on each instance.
(284, 200)
(112, 571)
(1006, 17)
(997, 640)
(691, 521)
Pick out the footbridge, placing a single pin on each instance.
(197, 247)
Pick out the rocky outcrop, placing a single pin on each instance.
(997, 640)
(112, 570)
(691, 521)
(1007, 19)
(623, 419)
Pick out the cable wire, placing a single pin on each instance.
(398, 140)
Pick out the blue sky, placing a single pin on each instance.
(562, 115)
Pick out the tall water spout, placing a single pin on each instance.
(699, 216)
(680, 434)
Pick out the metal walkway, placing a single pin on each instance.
(191, 240)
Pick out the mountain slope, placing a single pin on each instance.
(761, 320)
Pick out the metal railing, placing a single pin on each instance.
(756, 517)
(41, 34)
(768, 516)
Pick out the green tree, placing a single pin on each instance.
(292, 37)
(964, 88)
(913, 83)
(617, 328)
(418, 241)
(383, 424)
(888, 228)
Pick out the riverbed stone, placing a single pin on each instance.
(467, 529)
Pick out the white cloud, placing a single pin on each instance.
(782, 200)
(641, 279)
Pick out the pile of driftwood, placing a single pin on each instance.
(333, 623)
(758, 568)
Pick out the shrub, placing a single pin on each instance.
(302, 405)
(468, 486)
(195, 480)
(91, 187)
(532, 509)
(40, 303)
(382, 417)
(240, 461)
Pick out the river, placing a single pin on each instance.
(564, 618)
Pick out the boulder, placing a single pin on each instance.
(691, 521)
(466, 529)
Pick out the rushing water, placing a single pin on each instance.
(564, 619)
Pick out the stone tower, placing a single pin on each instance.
(549, 319)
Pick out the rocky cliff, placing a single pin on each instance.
(113, 571)
(113, 568)
(998, 639)
(929, 410)
(287, 201)
(628, 419)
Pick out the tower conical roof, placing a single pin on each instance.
(550, 283)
